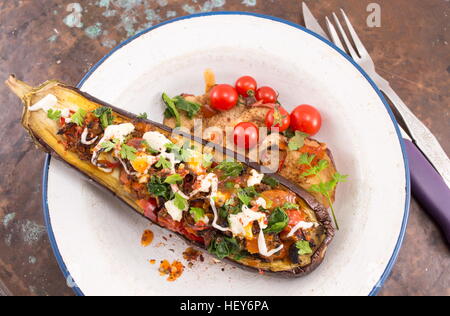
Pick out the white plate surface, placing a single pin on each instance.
(98, 238)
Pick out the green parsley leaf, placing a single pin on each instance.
(157, 188)
(105, 115)
(180, 202)
(230, 168)
(108, 146)
(244, 198)
(278, 221)
(143, 116)
(290, 206)
(163, 163)
(54, 114)
(207, 160)
(79, 116)
(190, 108)
(304, 248)
(325, 188)
(128, 152)
(229, 185)
(270, 181)
(223, 247)
(307, 160)
(297, 141)
(173, 179)
(171, 110)
(197, 213)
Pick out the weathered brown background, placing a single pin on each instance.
(39, 41)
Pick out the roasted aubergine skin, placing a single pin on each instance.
(47, 134)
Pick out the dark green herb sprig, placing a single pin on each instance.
(128, 152)
(105, 115)
(179, 103)
(157, 188)
(307, 160)
(230, 169)
(278, 221)
(223, 247)
(325, 188)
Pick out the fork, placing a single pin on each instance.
(429, 164)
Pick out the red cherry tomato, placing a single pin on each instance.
(266, 95)
(224, 97)
(307, 119)
(245, 84)
(278, 118)
(246, 135)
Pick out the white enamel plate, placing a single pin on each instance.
(97, 239)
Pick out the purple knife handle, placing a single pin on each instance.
(429, 188)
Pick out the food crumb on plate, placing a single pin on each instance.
(152, 261)
(174, 270)
(147, 238)
(191, 254)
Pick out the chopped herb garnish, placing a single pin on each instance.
(278, 220)
(173, 179)
(143, 116)
(197, 213)
(189, 107)
(54, 114)
(128, 152)
(223, 247)
(163, 163)
(180, 202)
(230, 168)
(159, 189)
(229, 185)
(297, 142)
(171, 110)
(246, 195)
(149, 148)
(307, 160)
(207, 160)
(304, 248)
(79, 116)
(290, 206)
(325, 188)
(104, 113)
(108, 146)
(270, 181)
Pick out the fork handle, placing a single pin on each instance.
(423, 138)
(429, 188)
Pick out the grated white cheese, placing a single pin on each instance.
(241, 224)
(301, 225)
(174, 211)
(255, 178)
(46, 103)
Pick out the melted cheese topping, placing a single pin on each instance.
(174, 211)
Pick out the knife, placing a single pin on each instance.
(428, 186)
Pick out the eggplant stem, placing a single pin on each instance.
(20, 88)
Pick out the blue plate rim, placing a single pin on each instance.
(377, 287)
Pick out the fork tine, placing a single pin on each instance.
(359, 45)
(334, 35)
(344, 35)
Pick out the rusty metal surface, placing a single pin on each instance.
(63, 39)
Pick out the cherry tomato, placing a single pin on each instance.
(224, 97)
(307, 119)
(266, 95)
(245, 84)
(278, 118)
(246, 135)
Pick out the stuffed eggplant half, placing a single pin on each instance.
(258, 222)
